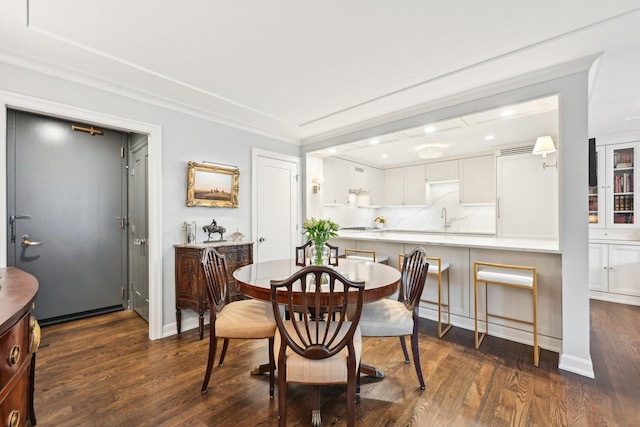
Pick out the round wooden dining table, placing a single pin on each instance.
(380, 281)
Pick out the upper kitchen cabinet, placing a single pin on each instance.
(335, 189)
(405, 186)
(527, 196)
(376, 187)
(358, 177)
(477, 180)
(446, 171)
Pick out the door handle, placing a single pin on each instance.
(262, 239)
(26, 242)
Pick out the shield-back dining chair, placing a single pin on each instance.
(399, 318)
(317, 349)
(244, 319)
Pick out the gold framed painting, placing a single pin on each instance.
(212, 186)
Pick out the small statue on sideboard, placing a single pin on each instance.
(212, 229)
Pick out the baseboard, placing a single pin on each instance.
(617, 298)
(577, 365)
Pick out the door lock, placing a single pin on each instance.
(12, 223)
(26, 242)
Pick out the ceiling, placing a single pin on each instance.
(296, 70)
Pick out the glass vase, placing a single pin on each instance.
(319, 253)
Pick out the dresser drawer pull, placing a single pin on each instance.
(14, 419)
(14, 357)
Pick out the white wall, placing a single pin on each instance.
(183, 138)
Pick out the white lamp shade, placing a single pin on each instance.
(544, 145)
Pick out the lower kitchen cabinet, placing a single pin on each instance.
(191, 290)
(613, 272)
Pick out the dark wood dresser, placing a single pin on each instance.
(190, 282)
(17, 292)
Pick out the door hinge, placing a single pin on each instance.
(122, 152)
(122, 292)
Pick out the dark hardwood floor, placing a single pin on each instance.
(103, 371)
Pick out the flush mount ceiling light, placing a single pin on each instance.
(430, 151)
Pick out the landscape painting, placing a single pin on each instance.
(212, 185)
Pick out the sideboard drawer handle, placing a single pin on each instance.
(14, 419)
(14, 357)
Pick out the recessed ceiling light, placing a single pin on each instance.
(507, 113)
(488, 137)
(332, 151)
(374, 141)
(429, 129)
(384, 156)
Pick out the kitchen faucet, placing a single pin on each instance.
(443, 214)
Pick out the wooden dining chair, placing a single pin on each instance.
(302, 254)
(317, 349)
(244, 319)
(399, 318)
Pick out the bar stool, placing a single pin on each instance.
(512, 276)
(365, 254)
(436, 269)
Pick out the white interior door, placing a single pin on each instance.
(275, 215)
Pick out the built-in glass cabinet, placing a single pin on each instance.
(613, 201)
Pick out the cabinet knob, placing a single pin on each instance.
(14, 419)
(14, 356)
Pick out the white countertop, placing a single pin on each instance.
(484, 242)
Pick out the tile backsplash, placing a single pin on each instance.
(467, 218)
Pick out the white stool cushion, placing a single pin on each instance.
(332, 370)
(246, 319)
(382, 258)
(385, 318)
(505, 275)
(433, 268)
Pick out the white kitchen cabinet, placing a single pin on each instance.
(394, 186)
(446, 171)
(477, 179)
(405, 186)
(599, 267)
(376, 187)
(624, 269)
(614, 269)
(527, 197)
(414, 185)
(334, 189)
(358, 176)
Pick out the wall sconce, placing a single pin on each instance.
(544, 145)
(316, 181)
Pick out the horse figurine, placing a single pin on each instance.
(214, 228)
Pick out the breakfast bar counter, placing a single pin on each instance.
(460, 250)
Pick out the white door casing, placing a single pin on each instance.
(154, 132)
(275, 205)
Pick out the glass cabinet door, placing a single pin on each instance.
(621, 185)
(596, 192)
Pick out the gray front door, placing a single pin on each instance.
(138, 229)
(67, 191)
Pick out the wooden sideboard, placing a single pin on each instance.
(190, 281)
(17, 292)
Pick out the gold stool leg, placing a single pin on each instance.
(536, 348)
(441, 332)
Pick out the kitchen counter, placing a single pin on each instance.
(454, 239)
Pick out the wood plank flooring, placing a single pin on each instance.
(103, 371)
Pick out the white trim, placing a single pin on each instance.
(154, 132)
(259, 152)
(577, 365)
(616, 298)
